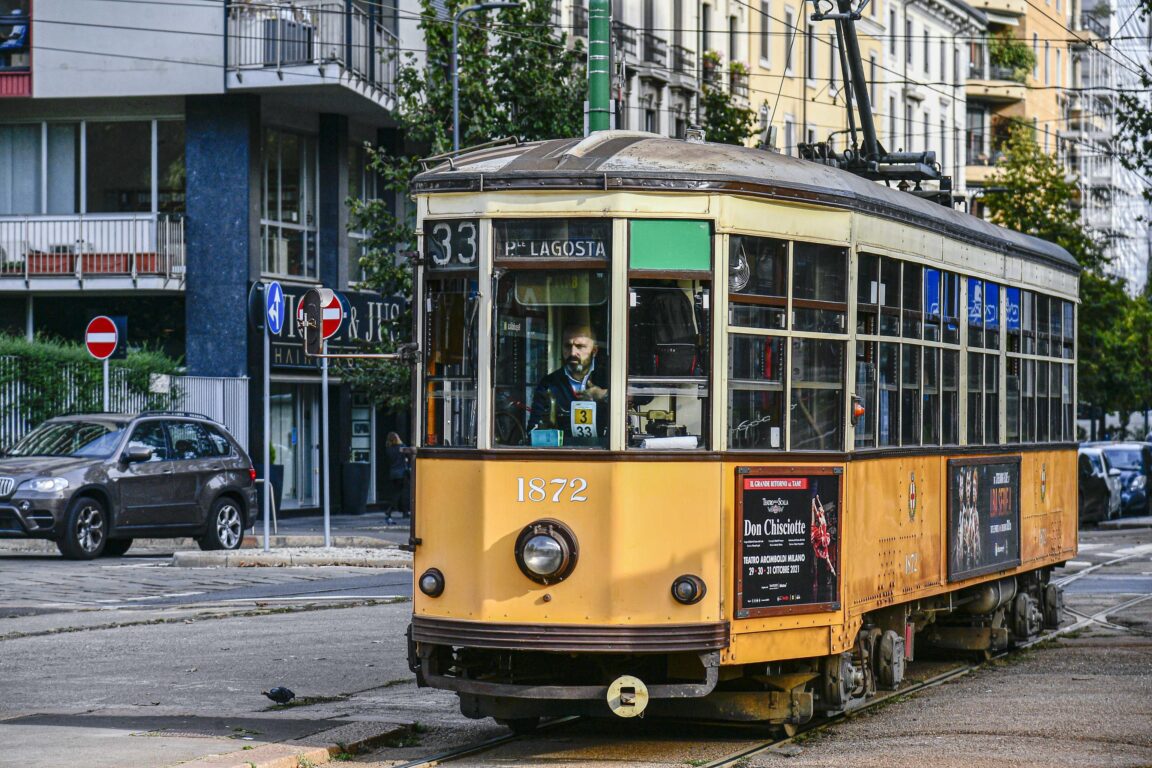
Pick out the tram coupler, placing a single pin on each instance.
(627, 696)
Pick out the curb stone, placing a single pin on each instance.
(376, 558)
(317, 749)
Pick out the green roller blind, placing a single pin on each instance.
(670, 245)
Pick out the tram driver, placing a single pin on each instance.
(573, 399)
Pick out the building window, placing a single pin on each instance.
(1046, 73)
(908, 41)
(1035, 55)
(790, 30)
(892, 30)
(288, 223)
(733, 41)
(765, 30)
(810, 52)
(892, 120)
(872, 78)
(927, 52)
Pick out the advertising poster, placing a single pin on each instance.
(788, 541)
(983, 516)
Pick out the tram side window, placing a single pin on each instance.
(932, 304)
(1028, 401)
(889, 297)
(991, 399)
(912, 300)
(950, 295)
(819, 288)
(975, 398)
(1068, 402)
(931, 397)
(757, 282)
(867, 298)
(975, 315)
(756, 366)
(817, 401)
(668, 363)
(450, 371)
(1069, 343)
(888, 410)
(950, 399)
(866, 369)
(910, 401)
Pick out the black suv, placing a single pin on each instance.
(92, 483)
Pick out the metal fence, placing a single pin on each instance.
(85, 245)
(223, 399)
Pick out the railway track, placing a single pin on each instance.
(753, 747)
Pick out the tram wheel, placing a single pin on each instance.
(520, 725)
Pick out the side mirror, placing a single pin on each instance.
(134, 454)
(1114, 472)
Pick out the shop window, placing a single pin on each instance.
(553, 360)
(757, 282)
(450, 333)
(756, 366)
(817, 395)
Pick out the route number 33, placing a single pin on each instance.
(452, 243)
(558, 488)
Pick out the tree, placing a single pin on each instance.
(1134, 121)
(723, 121)
(516, 78)
(1032, 195)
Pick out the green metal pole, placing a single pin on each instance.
(599, 65)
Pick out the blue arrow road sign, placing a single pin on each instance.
(274, 303)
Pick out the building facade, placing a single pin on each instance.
(158, 160)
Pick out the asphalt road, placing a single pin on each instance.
(131, 662)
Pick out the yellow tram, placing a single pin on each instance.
(709, 431)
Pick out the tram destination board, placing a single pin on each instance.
(983, 516)
(788, 540)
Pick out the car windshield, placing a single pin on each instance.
(1127, 459)
(90, 439)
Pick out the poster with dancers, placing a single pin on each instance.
(788, 540)
(983, 516)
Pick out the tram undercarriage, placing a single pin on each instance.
(519, 686)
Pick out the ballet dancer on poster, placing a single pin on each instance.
(823, 573)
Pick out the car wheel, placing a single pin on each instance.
(85, 530)
(117, 547)
(225, 526)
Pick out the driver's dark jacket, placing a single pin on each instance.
(552, 401)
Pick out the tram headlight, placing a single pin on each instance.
(688, 589)
(432, 582)
(546, 551)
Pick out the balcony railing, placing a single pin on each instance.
(978, 70)
(1094, 24)
(655, 49)
(275, 35)
(739, 83)
(625, 36)
(683, 60)
(579, 20)
(92, 245)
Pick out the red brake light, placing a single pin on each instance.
(252, 473)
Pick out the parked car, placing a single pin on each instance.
(1099, 486)
(93, 483)
(1134, 460)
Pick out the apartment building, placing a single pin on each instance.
(158, 159)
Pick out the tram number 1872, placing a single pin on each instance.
(538, 489)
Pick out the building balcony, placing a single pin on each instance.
(995, 85)
(275, 45)
(114, 251)
(1090, 29)
(1002, 7)
(624, 37)
(978, 175)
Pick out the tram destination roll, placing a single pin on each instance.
(788, 543)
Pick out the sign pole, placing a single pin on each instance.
(267, 437)
(327, 444)
(106, 385)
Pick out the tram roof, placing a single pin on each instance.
(631, 160)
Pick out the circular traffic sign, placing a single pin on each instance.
(274, 307)
(101, 337)
(333, 317)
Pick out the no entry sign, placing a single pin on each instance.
(333, 317)
(101, 337)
